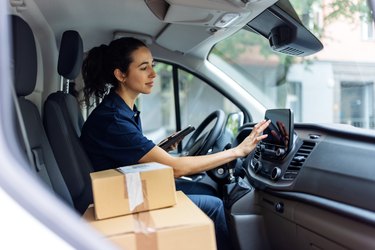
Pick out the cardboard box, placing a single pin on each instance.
(183, 226)
(132, 189)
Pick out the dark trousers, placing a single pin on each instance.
(213, 207)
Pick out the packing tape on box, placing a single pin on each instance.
(145, 232)
(134, 189)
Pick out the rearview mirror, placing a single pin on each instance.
(281, 36)
(285, 32)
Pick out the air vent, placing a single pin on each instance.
(298, 161)
(291, 51)
(257, 153)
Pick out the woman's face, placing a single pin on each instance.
(140, 75)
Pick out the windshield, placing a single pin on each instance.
(335, 85)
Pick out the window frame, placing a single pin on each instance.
(175, 85)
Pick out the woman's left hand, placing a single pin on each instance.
(173, 147)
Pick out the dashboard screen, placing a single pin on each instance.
(280, 130)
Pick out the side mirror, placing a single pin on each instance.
(234, 121)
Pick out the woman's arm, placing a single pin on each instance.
(188, 165)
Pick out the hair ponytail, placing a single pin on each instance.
(100, 63)
(93, 72)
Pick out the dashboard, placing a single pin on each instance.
(335, 162)
(318, 194)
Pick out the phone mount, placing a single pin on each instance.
(272, 152)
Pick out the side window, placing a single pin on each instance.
(158, 109)
(197, 100)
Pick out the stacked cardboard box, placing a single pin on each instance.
(137, 208)
(132, 189)
(183, 226)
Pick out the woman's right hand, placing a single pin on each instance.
(251, 141)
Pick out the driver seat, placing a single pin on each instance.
(63, 121)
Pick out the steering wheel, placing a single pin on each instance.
(199, 143)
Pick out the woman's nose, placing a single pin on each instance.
(152, 73)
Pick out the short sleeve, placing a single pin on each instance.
(112, 135)
(126, 142)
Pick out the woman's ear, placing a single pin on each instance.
(120, 76)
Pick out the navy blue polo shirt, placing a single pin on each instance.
(112, 134)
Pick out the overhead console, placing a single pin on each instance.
(219, 13)
(196, 21)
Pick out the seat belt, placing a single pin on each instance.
(35, 156)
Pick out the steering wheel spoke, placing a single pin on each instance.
(199, 143)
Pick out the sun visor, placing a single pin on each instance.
(199, 12)
(186, 37)
(193, 22)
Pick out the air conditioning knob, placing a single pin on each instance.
(276, 173)
(257, 166)
(280, 152)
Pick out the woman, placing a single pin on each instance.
(112, 134)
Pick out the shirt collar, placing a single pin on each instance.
(121, 104)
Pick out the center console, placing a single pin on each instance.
(272, 155)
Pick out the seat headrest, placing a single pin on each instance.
(25, 57)
(70, 55)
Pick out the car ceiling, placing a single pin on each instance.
(186, 26)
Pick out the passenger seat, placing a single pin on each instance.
(25, 75)
(63, 121)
